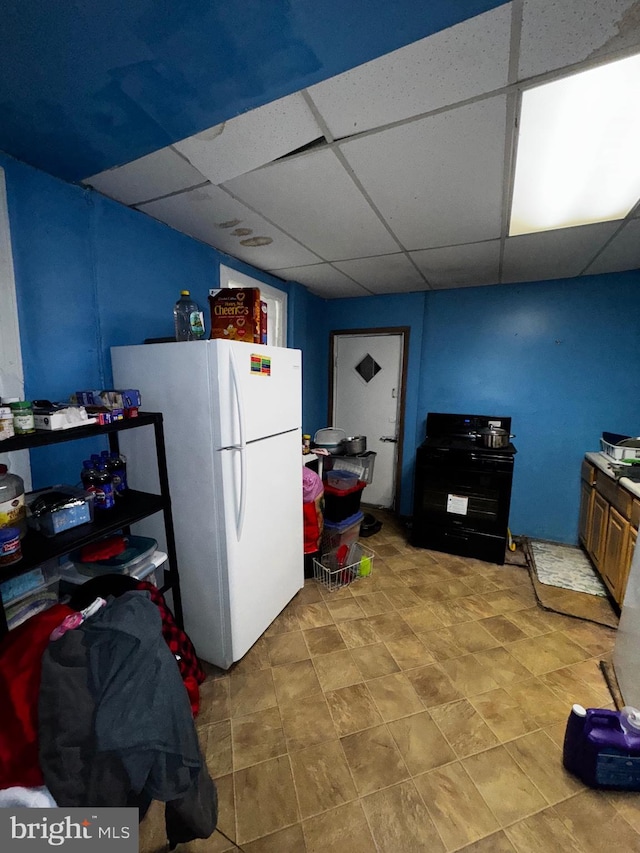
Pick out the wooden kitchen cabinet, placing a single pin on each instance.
(598, 534)
(587, 495)
(609, 516)
(615, 551)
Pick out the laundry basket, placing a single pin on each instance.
(343, 565)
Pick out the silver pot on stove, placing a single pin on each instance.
(494, 437)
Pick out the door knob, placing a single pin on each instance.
(390, 438)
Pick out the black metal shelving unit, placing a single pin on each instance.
(132, 507)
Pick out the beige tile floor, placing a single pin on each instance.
(419, 709)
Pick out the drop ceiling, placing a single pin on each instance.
(394, 176)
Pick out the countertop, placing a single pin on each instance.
(601, 461)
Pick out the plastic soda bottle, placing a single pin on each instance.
(188, 318)
(103, 488)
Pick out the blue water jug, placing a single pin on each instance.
(602, 747)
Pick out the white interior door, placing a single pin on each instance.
(366, 381)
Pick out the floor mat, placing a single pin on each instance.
(566, 567)
(568, 602)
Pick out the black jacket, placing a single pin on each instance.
(115, 723)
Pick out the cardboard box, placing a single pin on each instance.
(235, 314)
(110, 399)
(263, 322)
(59, 420)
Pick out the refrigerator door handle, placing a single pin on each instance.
(242, 447)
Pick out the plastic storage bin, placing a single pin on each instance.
(342, 480)
(138, 549)
(340, 504)
(148, 569)
(30, 593)
(337, 569)
(59, 508)
(360, 465)
(340, 533)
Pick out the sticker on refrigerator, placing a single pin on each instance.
(261, 365)
(457, 504)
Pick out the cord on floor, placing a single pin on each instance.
(235, 844)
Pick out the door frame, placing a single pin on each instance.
(403, 332)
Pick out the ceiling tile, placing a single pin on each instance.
(466, 60)
(150, 177)
(437, 181)
(460, 266)
(252, 139)
(557, 33)
(553, 254)
(323, 280)
(622, 253)
(312, 197)
(211, 215)
(384, 274)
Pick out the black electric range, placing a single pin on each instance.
(462, 491)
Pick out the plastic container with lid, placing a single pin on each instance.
(58, 508)
(10, 549)
(188, 318)
(340, 504)
(6, 423)
(13, 511)
(23, 420)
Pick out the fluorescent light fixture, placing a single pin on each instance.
(578, 155)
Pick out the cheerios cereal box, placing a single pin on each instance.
(235, 314)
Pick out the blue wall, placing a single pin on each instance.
(91, 274)
(560, 357)
(86, 86)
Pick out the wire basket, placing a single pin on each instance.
(337, 568)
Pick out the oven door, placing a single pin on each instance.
(461, 502)
(464, 490)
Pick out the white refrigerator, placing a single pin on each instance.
(626, 652)
(232, 423)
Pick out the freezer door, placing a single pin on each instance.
(258, 389)
(264, 547)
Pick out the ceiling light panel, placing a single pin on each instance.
(577, 159)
